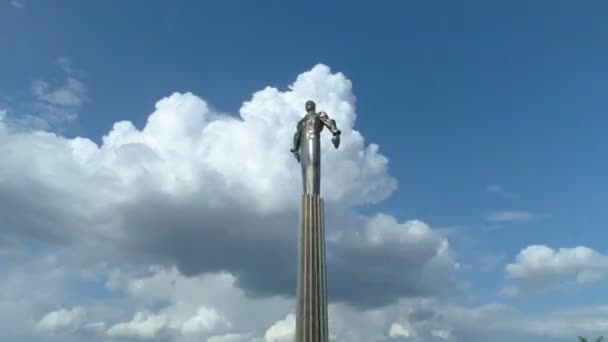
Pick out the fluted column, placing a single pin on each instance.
(311, 321)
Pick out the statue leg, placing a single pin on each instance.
(310, 161)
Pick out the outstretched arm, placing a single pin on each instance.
(331, 125)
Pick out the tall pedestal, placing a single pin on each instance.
(311, 320)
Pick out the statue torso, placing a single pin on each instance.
(311, 126)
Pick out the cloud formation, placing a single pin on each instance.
(539, 267)
(61, 319)
(55, 104)
(212, 202)
(210, 193)
(144, 325)
(154, 305)
(282, 331)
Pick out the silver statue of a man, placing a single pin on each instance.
(307, 146)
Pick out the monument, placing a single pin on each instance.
(311, 315)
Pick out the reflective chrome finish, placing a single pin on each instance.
(311, 316)
(307, 146)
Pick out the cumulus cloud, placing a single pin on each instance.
(39, 296)
(282, 331)
(203, 321)
(399, 330)
(212, 201)
(153, 305)
(449, 322)
(211, 193)
(503, 322)
(209, 303)
(144, 325)
(251, 319)
(430, 265)
(61, 319)
(538, 267)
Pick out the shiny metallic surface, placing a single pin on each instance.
(311, 316)
(307, 146)
(310, 160)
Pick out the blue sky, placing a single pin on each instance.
(482, 109)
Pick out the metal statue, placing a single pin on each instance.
(307, 146)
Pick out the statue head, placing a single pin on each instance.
(310, 106)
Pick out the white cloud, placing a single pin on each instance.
(539, 267)
(184, 192)
(187, 187)
(282, 331)
(430, 262)
(195, 307)
(35, 295)
(61, 319)
(204, 320)
(500, 322)
(424, 320)
(144, 325)
(513, 216)
(398, 330)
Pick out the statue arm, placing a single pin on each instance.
(296, 137)
(296, 140)
(329, 123)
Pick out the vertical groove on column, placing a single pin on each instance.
(311, 321)
(309, 263)
(313, 268)
(318, 324)
(321, 261)
(309, 274)
(310, 271)
(299, 289)
(323, 308)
